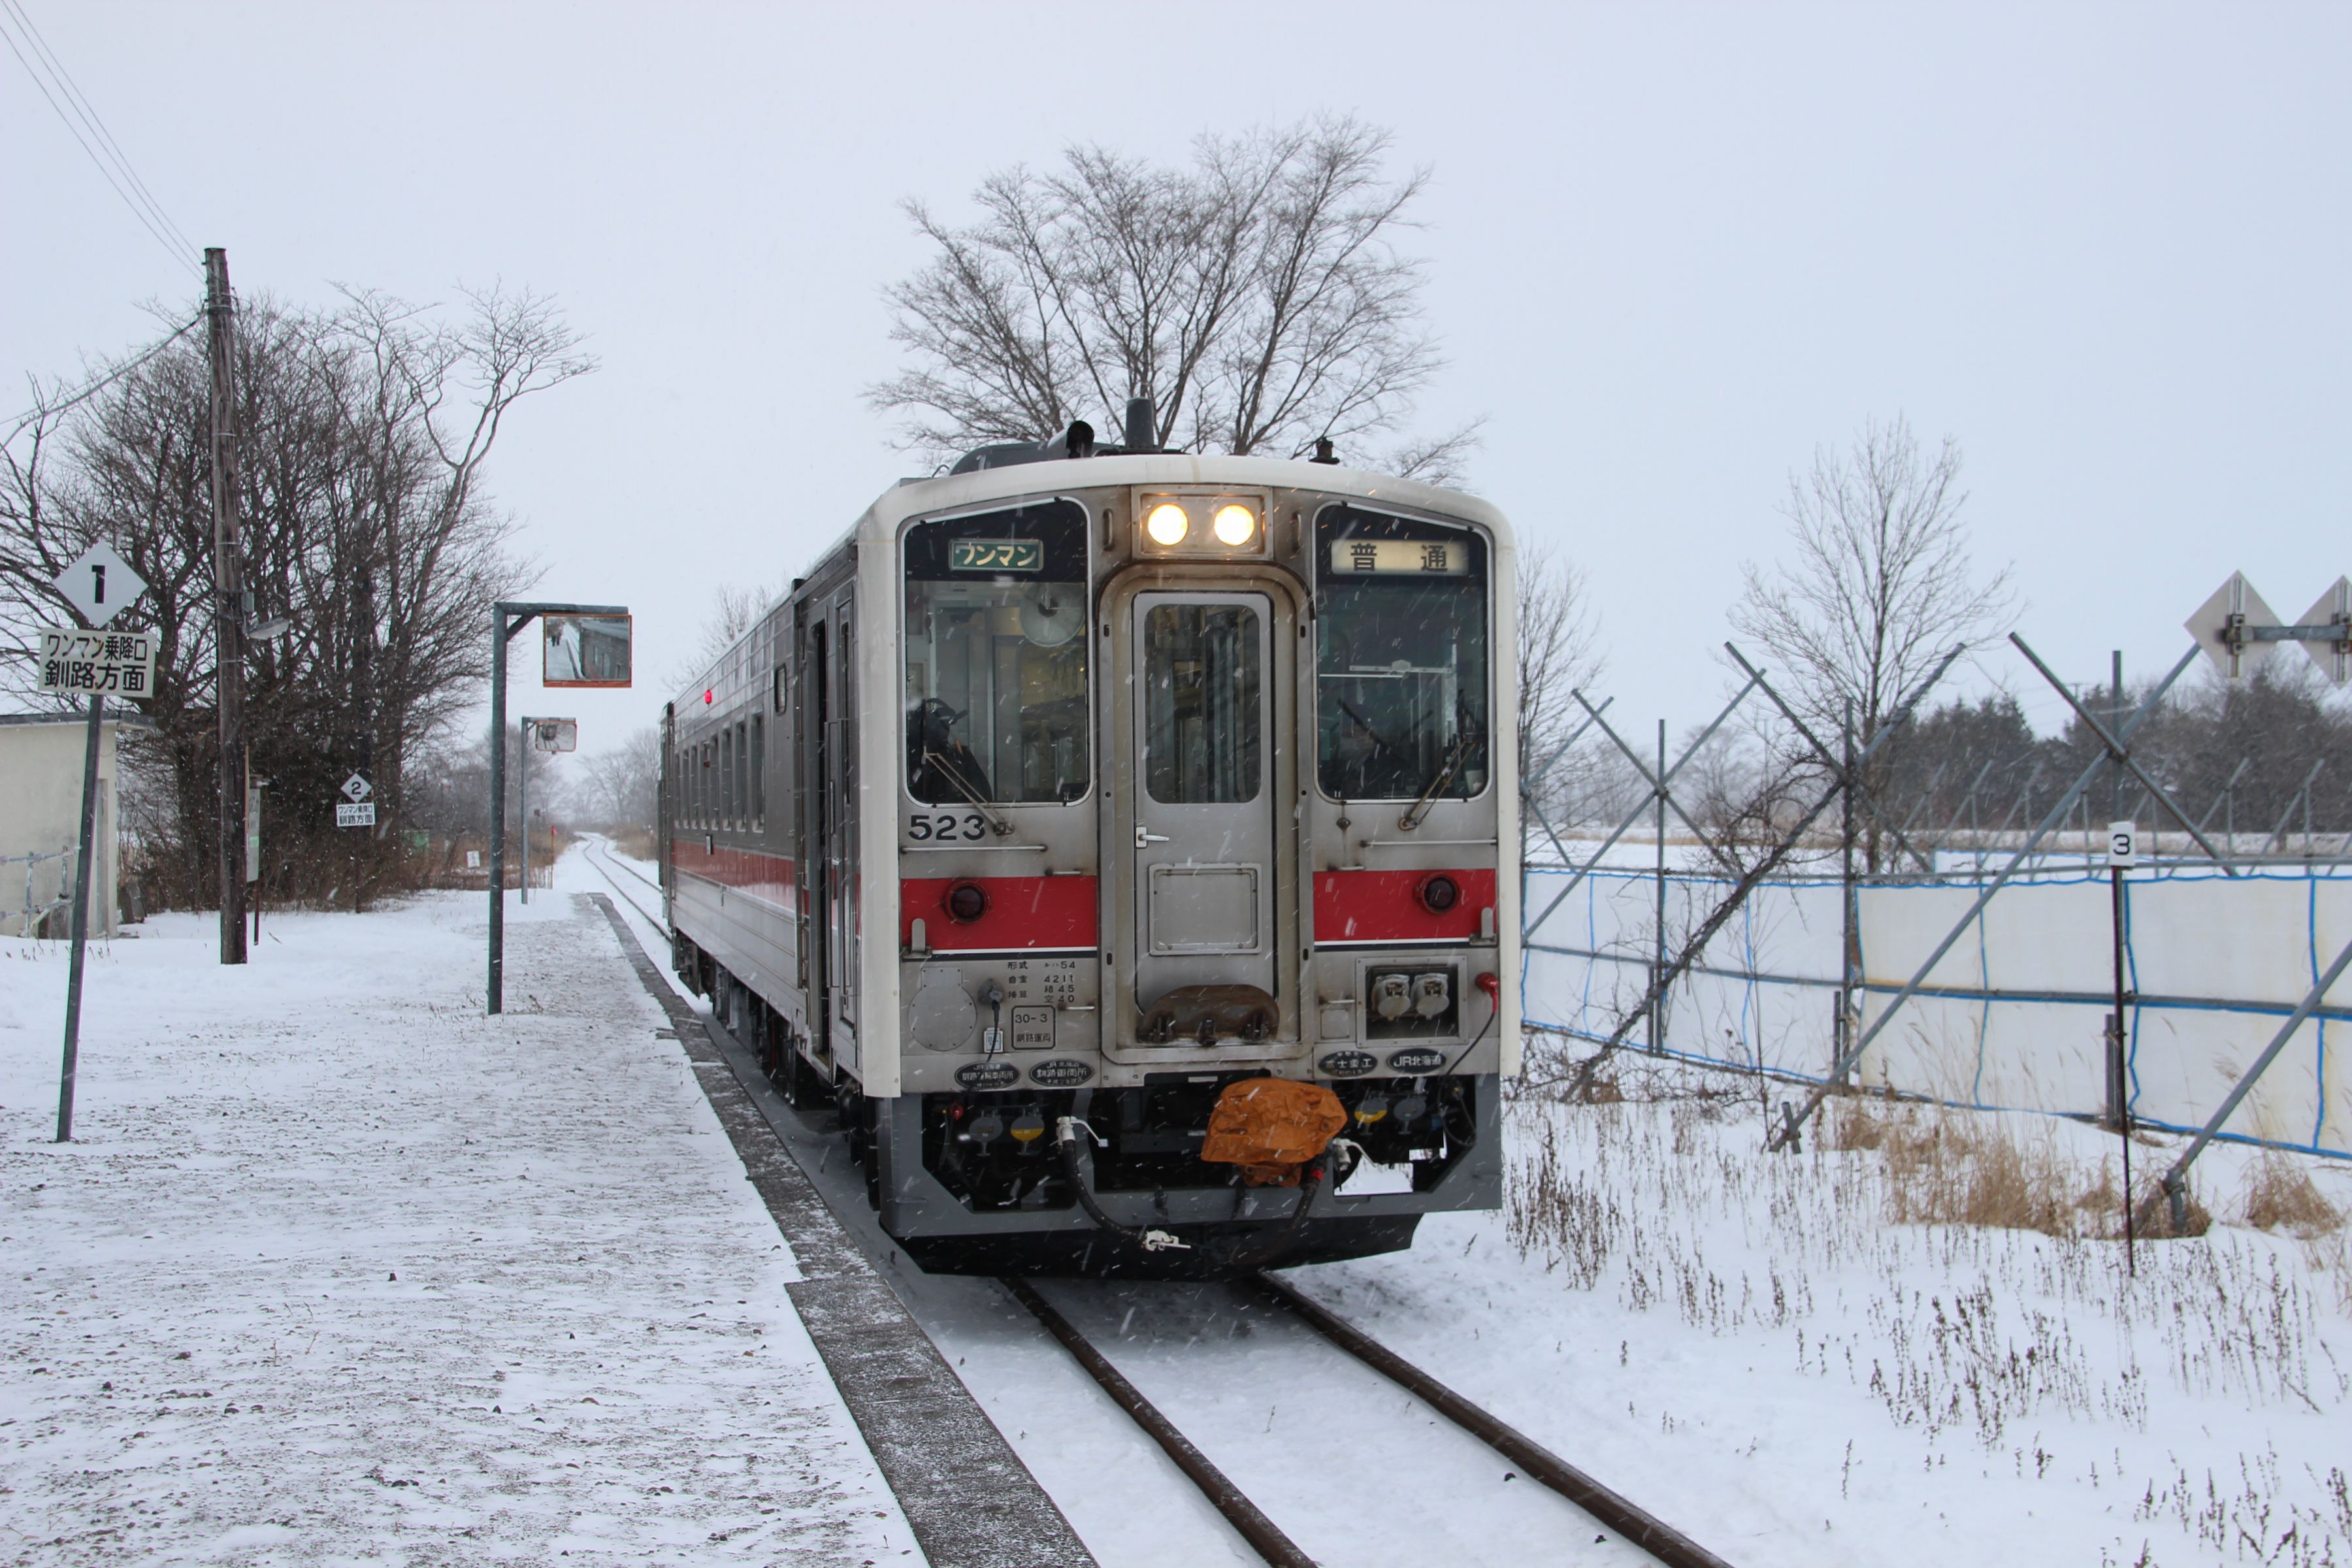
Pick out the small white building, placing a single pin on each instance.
(40, 819)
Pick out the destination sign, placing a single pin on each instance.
(111, 663)
(1402, 557)
(996, 555)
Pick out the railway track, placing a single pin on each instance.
(1350, 1430)
(1274, 1301)
(599, 857)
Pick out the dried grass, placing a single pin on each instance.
(1962, 1269)
(1941, 1166)
(2280, 1195)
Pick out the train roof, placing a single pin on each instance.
(955, 492)
(951, 492)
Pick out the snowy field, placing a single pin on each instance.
(1770, 1352)
(339, 1270)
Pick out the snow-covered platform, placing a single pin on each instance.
(338, 1269)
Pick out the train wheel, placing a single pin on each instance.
(870, 1113)
(804, 1086)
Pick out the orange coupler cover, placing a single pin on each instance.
(1271, 1127)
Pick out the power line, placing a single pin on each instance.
(89, 113)
(103, 383)
(148, 213)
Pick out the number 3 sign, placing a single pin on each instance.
(2123, 842)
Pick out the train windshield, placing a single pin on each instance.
(1400, 658)
(996, 657)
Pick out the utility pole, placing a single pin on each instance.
(228, 604)
(363, 696)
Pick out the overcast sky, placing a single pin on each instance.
(1670, 251)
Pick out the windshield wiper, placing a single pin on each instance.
(954, 775)
(1458, 754)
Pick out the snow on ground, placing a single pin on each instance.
(1749, 1346)
(338, 1269)
(1754, 1350)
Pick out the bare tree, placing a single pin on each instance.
(620, 785)
(1560, 654)
(1256, 297)
(363, 435)
(735, 608)
(1876, 585)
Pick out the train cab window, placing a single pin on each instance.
(1200, 681)
(1400, 658)
(996, 657)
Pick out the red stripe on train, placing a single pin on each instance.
(1022, 912)
(770, 877)
(1385, 906)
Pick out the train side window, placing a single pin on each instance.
(742, 779)
(759, 775)
(726, 778)
(1401, 661)
(996, 673)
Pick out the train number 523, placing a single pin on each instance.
(945, 825)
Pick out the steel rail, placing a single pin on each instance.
(1265, 1538)
(652, 920)
(625, 865)
(1636, 1524)
(1628, 1518)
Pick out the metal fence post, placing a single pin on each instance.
(2056, 818)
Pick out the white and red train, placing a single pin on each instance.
(1082, 805)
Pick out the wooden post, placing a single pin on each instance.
(228, 606)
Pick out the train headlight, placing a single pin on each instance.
(1235, 525)
(1167, 524)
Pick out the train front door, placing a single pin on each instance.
(1200, 804)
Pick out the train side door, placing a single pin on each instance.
(837, 793)
(1202, 795)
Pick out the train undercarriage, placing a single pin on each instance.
(985, 1183)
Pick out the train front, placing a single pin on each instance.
(1207, 845)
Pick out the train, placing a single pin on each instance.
(1124, 845)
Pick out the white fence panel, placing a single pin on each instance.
(2013, 1015)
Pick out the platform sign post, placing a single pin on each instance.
(2123, 852)
(538, 735)
(600, 653)
(357, 808)
(100, 585)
